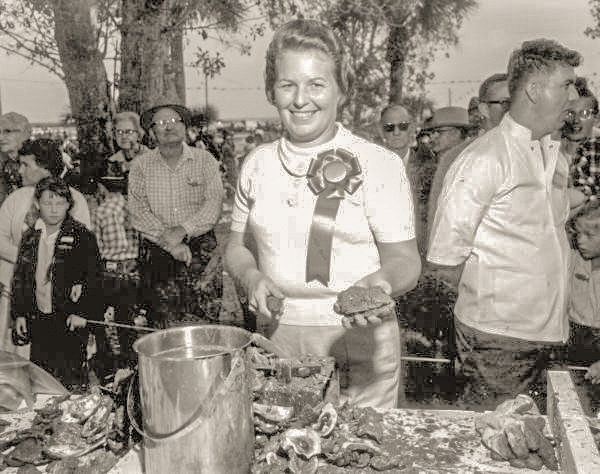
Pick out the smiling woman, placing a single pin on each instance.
(344, 218)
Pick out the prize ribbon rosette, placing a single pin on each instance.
(330, 176)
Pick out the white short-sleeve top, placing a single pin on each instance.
(274, 203)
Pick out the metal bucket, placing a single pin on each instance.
(195, 400)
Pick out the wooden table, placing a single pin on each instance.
(445, 441)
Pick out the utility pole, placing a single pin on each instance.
(115, 73)
(449, 96)
(206, 93)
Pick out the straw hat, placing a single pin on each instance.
(448, 117)
(165, 103)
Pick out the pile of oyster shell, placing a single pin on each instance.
(305, 442)
(69, 433)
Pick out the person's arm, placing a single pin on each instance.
(241, 265)
(21, 296)
(468, 191)
(88, 259)
(142, 217)
(400, 268)
(210, 212)
(8, 249)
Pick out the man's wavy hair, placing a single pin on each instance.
(538, 56)
(306, 35)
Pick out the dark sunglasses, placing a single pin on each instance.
(504, 103)
(402, 126)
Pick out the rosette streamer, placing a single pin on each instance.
(330, 176)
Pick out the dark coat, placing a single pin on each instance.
(76, 260)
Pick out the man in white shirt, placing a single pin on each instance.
(501, 216)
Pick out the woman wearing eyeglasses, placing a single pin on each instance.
(326, 210)
(128, 135)
(175, 197)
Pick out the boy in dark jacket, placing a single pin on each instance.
(54, 284)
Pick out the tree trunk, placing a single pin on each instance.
(85, 78)
(177, 64)
(397, 41)
(146, 70)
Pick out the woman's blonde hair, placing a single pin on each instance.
(306, 35)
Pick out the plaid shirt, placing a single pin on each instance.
(585, 170)
(117, 239)
(190, 195)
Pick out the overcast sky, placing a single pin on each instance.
(486, 40)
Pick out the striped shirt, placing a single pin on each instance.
(160, 197)
(117, 239)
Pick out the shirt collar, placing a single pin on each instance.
(520, 132)
(40, 225)
(186, 154)
(297, 159)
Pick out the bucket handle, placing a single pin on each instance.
(237, 369)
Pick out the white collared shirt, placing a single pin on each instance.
(406, 157)
(502, 211)
(43, 280)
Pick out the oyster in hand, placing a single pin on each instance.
(366, 302)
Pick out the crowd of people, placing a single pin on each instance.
(497, 201)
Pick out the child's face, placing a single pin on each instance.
(53, 208)
(588, 239)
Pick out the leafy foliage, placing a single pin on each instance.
(390, 44)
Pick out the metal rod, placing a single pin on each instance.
(577, 367)
(426, 359)
(119, 325)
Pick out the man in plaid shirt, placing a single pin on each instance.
(175, 199)
(118, 243)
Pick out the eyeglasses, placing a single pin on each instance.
(504, 103)
(441, 130)
(585, 114)
(7, 131)
(390, 127)
(163, 124)
(129, 133)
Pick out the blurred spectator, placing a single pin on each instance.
(475, 117)
(128, 135)
(118, 243)
(14, 130)
(581, 148)
(448, 127)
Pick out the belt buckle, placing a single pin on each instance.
(111, 266)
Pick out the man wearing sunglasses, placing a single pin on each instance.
(14, 130)
(175, 196)
(397, 131)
